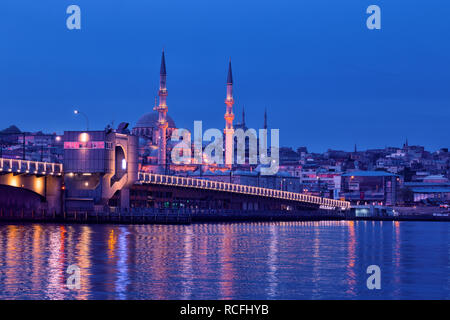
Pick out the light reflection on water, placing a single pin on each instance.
(280, 260)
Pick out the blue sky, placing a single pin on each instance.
(325, 79)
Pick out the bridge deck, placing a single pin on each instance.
(30, 167)
(176, 181)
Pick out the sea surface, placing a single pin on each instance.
(279, 260)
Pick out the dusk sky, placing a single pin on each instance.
(325, 79)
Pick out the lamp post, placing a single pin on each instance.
(84, 115)
(23, 146)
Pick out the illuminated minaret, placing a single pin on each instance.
(229, 117)
(162, 111)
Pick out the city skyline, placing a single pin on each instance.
(214, 152)
(354, 86)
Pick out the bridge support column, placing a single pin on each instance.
(125, 198)
(53, 194)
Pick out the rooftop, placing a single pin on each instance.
(431, 190)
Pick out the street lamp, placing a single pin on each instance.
(84, 115)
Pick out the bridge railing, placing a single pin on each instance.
(30, 167)
(324, 203)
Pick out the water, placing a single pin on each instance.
(286, 260)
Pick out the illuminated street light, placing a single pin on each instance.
(84, 137)
(85, 116)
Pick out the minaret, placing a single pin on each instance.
(243, 118)
(229, 117)
(265, 119)
(162, 111)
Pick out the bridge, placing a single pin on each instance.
(202, 184)
(46, 180)
(29, 184)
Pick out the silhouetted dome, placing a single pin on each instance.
(150, 120)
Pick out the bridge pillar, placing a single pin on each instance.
(48, 187)
(99, 166)
(53, 194)
(125, 198)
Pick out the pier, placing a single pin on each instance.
(189, 216)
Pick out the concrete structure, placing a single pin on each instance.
(98, 165)
(222, 195)
(426, 191)
(371, 211)
(101, 170)
(30, 181)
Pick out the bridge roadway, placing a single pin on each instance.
(17, 166)
(177, 181)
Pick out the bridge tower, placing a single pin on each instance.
(99, 168)
(162, 111)
(229, 117)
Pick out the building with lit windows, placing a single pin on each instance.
(367, 187)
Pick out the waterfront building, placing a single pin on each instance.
(434, 187)
(366, 187)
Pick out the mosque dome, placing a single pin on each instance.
(150, 120)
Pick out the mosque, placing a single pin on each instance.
(155, 129)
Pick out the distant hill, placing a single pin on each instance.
(11, 130)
